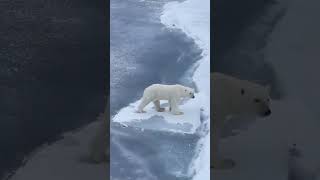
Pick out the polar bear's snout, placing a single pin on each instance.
(263, 107)
(267, 112)
(191, 94)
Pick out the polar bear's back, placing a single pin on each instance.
(219, 77)
(222, 83)
(161, 91)
(161, 87)
(222, 90)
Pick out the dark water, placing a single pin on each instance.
(53, 63)
(144, 52)
(241, 30)
(231, 18)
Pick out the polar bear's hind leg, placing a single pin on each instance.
(174, 107)
(158, 107)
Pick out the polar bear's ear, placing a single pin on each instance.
(242, 91)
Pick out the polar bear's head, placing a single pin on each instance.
(187, 92)
(254, 99)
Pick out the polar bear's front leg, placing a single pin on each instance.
(174, 107)
(158, 107)
(216, 160)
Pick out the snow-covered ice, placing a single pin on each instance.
(193, 18)
(64, 159)
(261, 152)
(187, 123)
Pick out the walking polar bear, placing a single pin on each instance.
(172, 93)
(98, 147)
(234, 97)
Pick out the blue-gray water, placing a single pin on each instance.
(51, 73)
(143, 52)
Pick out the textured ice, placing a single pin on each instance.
(187, 123)
(193, 18)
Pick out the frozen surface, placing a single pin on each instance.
(262, 152)
(193, 18)
(139, 153)
(187, 123)
(293, 50)
(155, 145)
(64, 159)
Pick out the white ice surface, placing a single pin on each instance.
(168, 121)
(64, 159)
(193, 18)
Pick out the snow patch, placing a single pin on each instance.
(193, 18)
(63, 158)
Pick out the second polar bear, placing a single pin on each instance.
(234, 97)
(172, 93)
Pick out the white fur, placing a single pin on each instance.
(233, 97)
(171, 93)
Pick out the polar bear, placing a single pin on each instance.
(172, 93)
(232, 97)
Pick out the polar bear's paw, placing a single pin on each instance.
(161, 109)
(224, 164)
